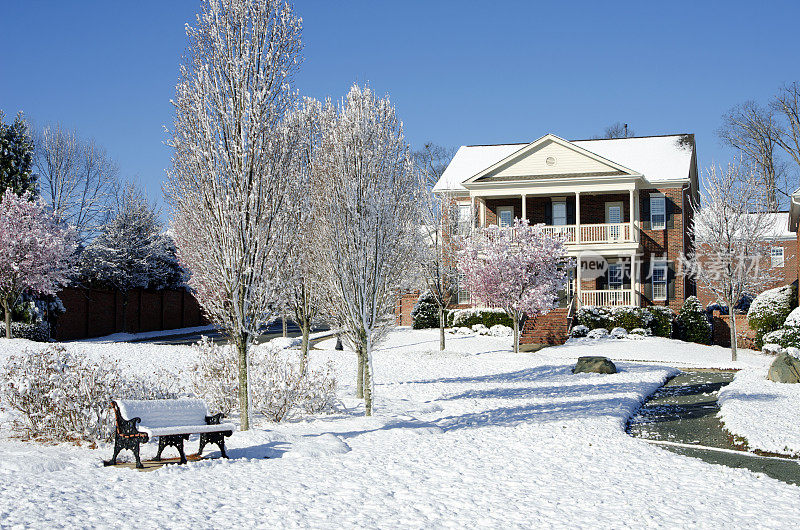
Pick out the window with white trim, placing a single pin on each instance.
(464, 218)
(559, 212)
(659, 279)
(505, 216)
(776, 256)
(463, 293)
(658, 212)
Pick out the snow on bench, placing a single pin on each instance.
(171, 420)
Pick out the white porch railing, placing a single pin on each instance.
(566, 230)
(608, 297)
(597, 233)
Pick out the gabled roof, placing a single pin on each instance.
(657, 158)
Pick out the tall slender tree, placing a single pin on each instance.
(230, 188)
(733, 230)
(368, 220)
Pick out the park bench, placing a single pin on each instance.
(171, 420)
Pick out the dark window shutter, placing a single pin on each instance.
(670, 281)
(644, 211)
(548, 213)
(647, 282)
(670, 209)
(570, 212)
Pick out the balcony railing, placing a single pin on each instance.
(598, 233)
(609, 297)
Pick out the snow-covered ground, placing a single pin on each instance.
(659, 350)
(764, 413)
(473, 437)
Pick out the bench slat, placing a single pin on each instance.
(160, 413)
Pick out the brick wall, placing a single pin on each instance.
(745, 337)
(405, 303)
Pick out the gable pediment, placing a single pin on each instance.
(550, 156)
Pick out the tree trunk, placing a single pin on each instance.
(124, 311)
(367, 385)
(7, 310)
(733, 333)
(516, 334)
(283, 323)
(244, 394)
(360, 376)
(305, 328)
(441, 329)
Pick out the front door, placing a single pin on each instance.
(614, 218)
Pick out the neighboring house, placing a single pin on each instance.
(624, 200)
(783, 259)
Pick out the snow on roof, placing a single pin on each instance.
(779, 227)
(658, 158)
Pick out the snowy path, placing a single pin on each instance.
(487, 439)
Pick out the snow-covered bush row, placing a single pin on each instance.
(62, 396)
(38, 331)
(479, 315)
(787, 336)
(641, 331)
(693, 322)
(278, 386)
(657, 319)
(769, 310)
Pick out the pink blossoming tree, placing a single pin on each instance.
(35, 253)
(519, 270)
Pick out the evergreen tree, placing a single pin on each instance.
(16, 157)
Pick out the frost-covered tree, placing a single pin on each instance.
(519, 270)
(122, 255)
(234, 201)
(303, 296)
(77, 179)
(36, 254)
(368, 217)
(733, 230)
(438, 252)
(16, 157)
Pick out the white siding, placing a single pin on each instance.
(567, 161)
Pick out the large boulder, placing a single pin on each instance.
(785, 369)
(595, 365)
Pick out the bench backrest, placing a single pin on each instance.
(164, 412)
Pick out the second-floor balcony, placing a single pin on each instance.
(583, 218)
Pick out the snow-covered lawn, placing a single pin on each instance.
(473, 437)
(659, 350)
(764, 413)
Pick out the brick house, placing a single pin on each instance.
(783, 255)
(622, 204)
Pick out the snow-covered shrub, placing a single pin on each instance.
(788, 337)
(38, 331)
(425, 313)
(579, 331)
(663, 317)
(499, 330)
(598, 333)
(278, 387)
(769, 310)
(215, 376)
(463, 330)
(631, 317)
(594, 317)
(480, 329)
(693, 323)
(640, 331)
(481, 315)
(619, 333)
(66, 396)
(771, 348)
(793, 320)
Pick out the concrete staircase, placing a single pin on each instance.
(548, 330)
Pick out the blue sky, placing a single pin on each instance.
(458, 72)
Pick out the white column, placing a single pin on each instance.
(578, 219)
(524, 207)
(578, 280)
(630, 216)
(633, 277)
(474, 220)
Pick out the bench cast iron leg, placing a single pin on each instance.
(135, 449)
(217, 438)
